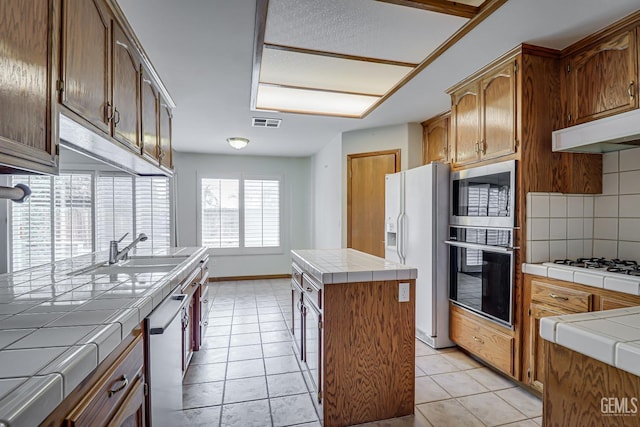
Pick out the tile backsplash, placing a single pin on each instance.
(603, 225)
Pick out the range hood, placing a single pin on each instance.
(613, 133)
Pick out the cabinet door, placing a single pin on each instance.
(436, 139)
(536, 368)
(125, 82)
(165, 155)
(85, 61)
(465, 125)
(610, 303)
(132, 411)
(149, 118)
(498, 110)
(603, 78)
(187, 335)
(25, 86)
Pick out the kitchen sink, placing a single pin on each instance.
(135, 264)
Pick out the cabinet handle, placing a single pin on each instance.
(108, 111)
(476, 148)
(484, 147)
(124, 383)
(554, 296)
(309, 289)
(630, 91)
(116, 114)
(478, 339)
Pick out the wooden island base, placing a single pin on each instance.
(581, 391)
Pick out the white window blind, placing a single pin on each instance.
(153, 211)
(31, 224)
(114, 210)
(220, 213)
(73, 216)
(240, 213)
(261, 213)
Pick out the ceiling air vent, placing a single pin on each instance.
(262, 122)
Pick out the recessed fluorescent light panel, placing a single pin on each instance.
(344, 58)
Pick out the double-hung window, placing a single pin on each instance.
(241, 214)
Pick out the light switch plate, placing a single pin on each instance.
(403, 292)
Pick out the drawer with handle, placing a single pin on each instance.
(488, 343)
(107, 395)
(313, 290)
(565, 298)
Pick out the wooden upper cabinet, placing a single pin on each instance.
(125, 86)
(465, 124)
(601, 79)
(165, 153)
(26, 85)
(85, 61)
(149, 101)
(498, 99)
(435, 142)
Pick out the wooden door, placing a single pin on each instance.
(465, 122)
(165, 154)
(436, 140)
(498, 112)
(85, 61)
(25, 86)
(149, 123)
(365, 199)
(536, 368)
(125, 89)
(603, 78)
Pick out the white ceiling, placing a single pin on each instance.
(203, 51)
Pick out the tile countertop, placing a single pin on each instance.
(55, 328)
(349, 265)
(586, 276)
(611, 336)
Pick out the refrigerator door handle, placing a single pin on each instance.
(398, 239)
(403, 221)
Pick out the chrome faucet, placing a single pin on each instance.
(115, 255)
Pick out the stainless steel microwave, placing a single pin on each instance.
(484, 196)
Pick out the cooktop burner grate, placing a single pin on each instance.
(614, 265)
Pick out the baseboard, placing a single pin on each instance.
(261, 277)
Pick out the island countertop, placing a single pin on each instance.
(57, 327)
(330, 266)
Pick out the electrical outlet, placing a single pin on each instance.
(403, 292)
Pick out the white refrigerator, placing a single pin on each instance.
(416, 226)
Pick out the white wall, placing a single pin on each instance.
(297, 221)
(326, 167)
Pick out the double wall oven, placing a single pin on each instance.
(481, 258)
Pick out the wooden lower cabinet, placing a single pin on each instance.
(113, 395)
(581, 391)
(550, 297)
(492, 343)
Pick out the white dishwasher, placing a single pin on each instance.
(164, 329)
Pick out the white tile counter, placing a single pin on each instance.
(349, 265)
(56, 328)
(586, 276)
(611, 336)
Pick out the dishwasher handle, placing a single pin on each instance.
(163, 315)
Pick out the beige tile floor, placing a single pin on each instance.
(246, 374)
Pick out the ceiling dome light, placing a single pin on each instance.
(237, 142)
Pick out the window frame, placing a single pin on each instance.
(241, 249)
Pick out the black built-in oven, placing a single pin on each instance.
(484, 196)
(481, 271)
(481, 257)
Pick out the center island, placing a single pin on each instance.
(353, 323)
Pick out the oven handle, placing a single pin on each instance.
(487, 248)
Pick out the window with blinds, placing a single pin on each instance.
(114, 210)
(261, 213)
(57, 221)
(31, 224)
(153, 211)
(240, 213)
